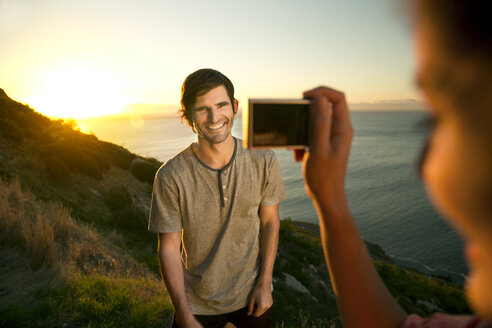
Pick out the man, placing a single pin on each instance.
(215, 208)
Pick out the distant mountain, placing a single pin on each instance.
(151, 109)
(396, 104)
(139, 111)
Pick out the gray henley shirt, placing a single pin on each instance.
(217, 212)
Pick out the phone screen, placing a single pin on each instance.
(280, 124)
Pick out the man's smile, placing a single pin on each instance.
(216, 126)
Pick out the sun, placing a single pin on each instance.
(79, 92)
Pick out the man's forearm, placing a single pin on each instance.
(269, 243)
(172, 273)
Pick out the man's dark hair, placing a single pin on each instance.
(199, 83)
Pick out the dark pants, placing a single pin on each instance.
(239, 318)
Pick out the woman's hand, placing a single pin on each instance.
(330, 136)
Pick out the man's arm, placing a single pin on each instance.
(363, 299)
(261, 298)
(172, 273)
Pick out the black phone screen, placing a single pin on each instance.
(280, 124)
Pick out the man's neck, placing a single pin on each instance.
(215, 156)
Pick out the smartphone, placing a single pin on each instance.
(276, 123)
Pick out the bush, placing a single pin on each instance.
(10, 130)
(90, 168)
(76, 158)
(144, 169)
(131, 218)
(56, 168)
(119, 156)
(118, 198)
(32, 133)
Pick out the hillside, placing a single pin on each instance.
(75, 252)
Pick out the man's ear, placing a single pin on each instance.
(236, 106)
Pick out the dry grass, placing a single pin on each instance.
(40, 240)
(39, 237)
(42, 230)
(51, 263)
(51, 238)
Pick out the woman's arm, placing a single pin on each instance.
(363, 299)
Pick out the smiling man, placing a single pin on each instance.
(215, 209)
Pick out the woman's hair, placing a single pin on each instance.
(463, 34)
(199, 83)
(465, 25)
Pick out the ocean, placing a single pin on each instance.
(385, 194)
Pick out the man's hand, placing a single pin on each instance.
(261, 300)
(189, 321)
(325, 163)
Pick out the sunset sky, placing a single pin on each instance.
(72, 58)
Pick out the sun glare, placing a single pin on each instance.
(79, 92)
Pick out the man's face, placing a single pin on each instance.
(213, 115)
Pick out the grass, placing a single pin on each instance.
(94, 301)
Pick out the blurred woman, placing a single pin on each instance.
(453, 51)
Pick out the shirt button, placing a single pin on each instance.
(224, 186)
(225, 198)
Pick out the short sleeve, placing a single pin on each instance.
(165, 214)
(273, 191)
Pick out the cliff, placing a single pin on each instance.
(74, 250)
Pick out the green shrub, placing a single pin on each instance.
(131, 218)
(76, 158)
(102, 161)
(91, 169)
(32, 133)
(10, 130)
(119, 156)
(56, 168)
(144, 169)
(118, 198)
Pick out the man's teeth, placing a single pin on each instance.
(216, 127)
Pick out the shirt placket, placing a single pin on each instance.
(223, 184)
(221, 187)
